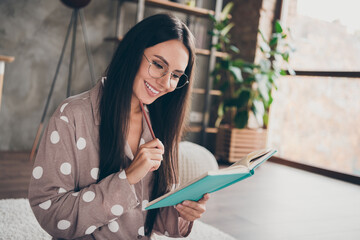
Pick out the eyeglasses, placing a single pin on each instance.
(158, 69)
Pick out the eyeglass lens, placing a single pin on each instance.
(158, 69)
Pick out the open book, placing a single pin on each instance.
(213, 181)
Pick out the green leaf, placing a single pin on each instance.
(226, 29)
(238, 62)
(262, 36)
(243, 99)
(291, 71)
(220, 111)
(278, 27)
(241, 119)
(212, 17)
(226, 10)
(225, 64)
(266, 119)
(262, 86)
(259, 111)
(273, 41)
(283, 72)
(264, 47)
(236, 72)
(285, 56)
(224, 86)
(231, 102)
(234, 49)
(265, 65)
(248, 70)
(211, 33)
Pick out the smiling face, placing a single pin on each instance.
(174, 55)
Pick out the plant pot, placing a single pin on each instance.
(232, 143)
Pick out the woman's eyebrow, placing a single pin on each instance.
(166, 62)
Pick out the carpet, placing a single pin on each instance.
(18, 222)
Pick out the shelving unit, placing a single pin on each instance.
(199, 51)
(207, 92)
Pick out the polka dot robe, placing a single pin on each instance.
(64, 195)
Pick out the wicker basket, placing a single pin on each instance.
(233, 143)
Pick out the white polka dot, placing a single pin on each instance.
(166, 233)
(62, 190)
(75, 194)
(117, 210)
(81, 143)
(88, 196)
(90, 230)
(94, 173)
(113, 227)
(45, 205)
(54, 137)
(63, 224)
(65, 168)
(144, 204)
(142, 141)
(141, 231)
(122, 175)
(64, 119)
(37, 172)
(63, 106)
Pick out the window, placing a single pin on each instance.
(315, 118)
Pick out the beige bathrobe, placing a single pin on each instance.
(64, 195)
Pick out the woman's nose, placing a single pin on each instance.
(165, 81)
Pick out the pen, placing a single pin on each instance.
(147, 120)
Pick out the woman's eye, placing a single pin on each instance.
(176, 76)
(158, 65)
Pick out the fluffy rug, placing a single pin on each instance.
(18, 222)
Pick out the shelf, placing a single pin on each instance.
(202, 91)
(196, 129)
(200, 12)
(198, 51)
(6, 58)
(113, 39)
(206, 52)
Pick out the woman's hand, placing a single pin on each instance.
(147, 158)
(190, 210)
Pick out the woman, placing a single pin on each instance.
(98, 164)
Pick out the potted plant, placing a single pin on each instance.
(244, 105)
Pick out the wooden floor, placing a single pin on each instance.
(15, 172)
(277, 203)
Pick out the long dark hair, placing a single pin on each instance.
(167, 113)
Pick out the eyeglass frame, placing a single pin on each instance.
(171, 74)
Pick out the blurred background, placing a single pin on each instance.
(314, 88)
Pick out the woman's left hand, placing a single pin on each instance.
(190, 210)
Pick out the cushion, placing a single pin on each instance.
(194, 160)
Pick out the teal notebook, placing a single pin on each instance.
(213, 181)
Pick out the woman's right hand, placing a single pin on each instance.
(147, 159)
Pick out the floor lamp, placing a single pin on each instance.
(76, 5)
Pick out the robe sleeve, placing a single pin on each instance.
(60, 208)
(169, 223)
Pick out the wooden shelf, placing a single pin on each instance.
(199, 51)
(202, 91)
(8, 59)
(113, 39)
(200, 12)
(206, 52)
(196, 129)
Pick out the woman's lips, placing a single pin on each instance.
(151, 90)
